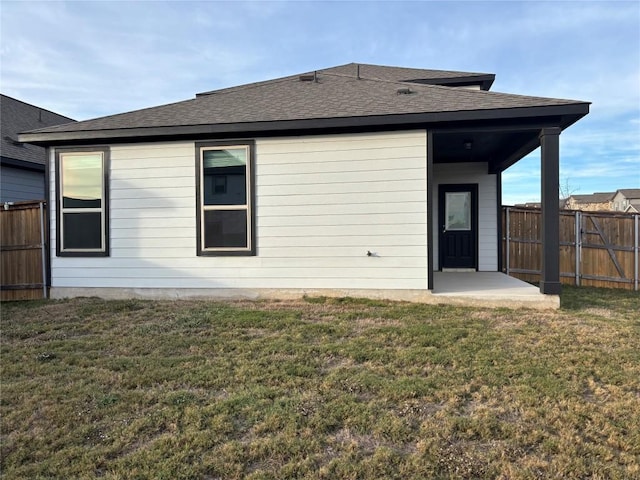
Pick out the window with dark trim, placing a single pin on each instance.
(82, 205)
(225, 198)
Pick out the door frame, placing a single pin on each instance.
(458, 187)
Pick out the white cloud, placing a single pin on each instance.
(105, 58)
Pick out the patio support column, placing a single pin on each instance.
(550, 173)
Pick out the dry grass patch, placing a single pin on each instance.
(320, 389)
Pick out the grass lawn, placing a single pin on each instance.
(320, 389)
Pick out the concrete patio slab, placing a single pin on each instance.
(490, 289)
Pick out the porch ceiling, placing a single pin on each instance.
(499, 148)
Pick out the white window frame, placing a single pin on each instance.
(103, 153)
(247, 207)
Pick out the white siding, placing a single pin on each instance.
(322, 202)
(487, 208)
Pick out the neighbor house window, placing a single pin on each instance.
(82, 206)
(225, 217)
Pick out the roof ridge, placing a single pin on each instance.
(323, 72)
(382, 80)
(327, 71)
(375, 79)
(491, 92)
(246, 86)
(409, 68)
(280, 79)
(112, 115)
(467, 91)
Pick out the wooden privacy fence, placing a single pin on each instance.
(597, 249)
(22, 251)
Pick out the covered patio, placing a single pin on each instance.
(467, 161)
(489, 289)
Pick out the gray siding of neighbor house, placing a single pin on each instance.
(18, 185)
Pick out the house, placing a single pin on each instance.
(561, 204)
(22, 165)
(594, 202)
(622, 200)
(352, 180)
(627, 200)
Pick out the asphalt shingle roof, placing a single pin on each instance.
(16, 117)
(399, 74)
(378, 72)
(598, 197)
(337, 93)
(631, 193)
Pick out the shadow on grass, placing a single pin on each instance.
(582, 298)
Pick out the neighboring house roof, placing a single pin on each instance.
(561, 204)
(18, 116)
(340, 97)
(598, 197)
(630, 193)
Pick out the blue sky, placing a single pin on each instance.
(89, 59)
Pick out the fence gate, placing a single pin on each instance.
(608, 249)
(23, 274)
(599, 249)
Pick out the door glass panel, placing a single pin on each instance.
(458, 211)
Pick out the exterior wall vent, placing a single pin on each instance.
(404, 91)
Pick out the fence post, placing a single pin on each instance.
(636, 249)
(508, 235)
(578, 245)
(44, 252)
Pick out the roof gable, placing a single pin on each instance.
(633, 207)
(630, 193)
